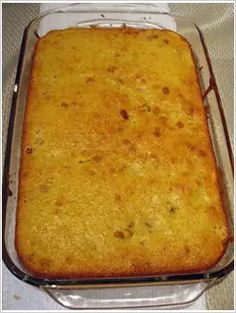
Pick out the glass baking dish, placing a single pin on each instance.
(159, 291)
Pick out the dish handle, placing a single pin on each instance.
(100, 297)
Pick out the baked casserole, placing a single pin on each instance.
(118, 175)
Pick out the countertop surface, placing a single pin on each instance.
(218, 32)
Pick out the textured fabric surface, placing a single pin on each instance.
(218, 32)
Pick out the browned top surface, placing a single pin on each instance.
(118, 175)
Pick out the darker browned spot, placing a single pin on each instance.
(112, 170)
(166, 41)
(156, 110)
(173, 160)
(202, 153)
(117, 197)
(163, 120)
(131, 225)
(152, 37)
(131, 32)
(119, 234)
(64, 105)
(97, 158)
(43, 188)
(126, 141)
(172, 209)
(187, 249)
(157, 132)
(124, 49)
(132, 148)
(165, 90)
(179, 124)
(187, 106)
(84, 161)
(45, 95)
(69, 259)
(120, 80)
(140, 78)
(117, 55)
(191, 147)
(90, 80)
(148, 225)
(59, 202)
(124, 114)
(153, 155)
(111, 69)
(198, 182)
(120, 129)
(102, 15)
(190, 111)
(194, 149)
(140, 135)
(29, 150)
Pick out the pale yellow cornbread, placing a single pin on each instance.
(118, 176)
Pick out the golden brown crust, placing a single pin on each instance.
(118, 176)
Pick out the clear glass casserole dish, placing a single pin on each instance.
(164, 290)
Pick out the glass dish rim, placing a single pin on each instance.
(109, 281)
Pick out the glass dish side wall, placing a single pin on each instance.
(134, 17)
